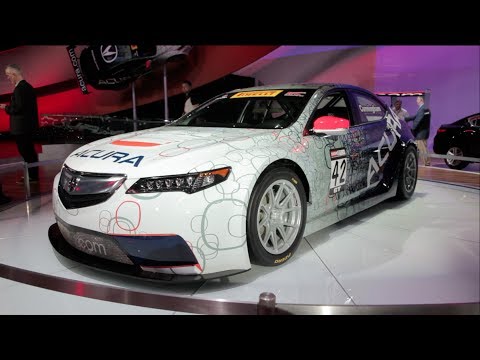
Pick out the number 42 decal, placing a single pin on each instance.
(338, 170)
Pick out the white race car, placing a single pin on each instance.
(240, 179)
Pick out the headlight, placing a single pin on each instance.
(188, 183)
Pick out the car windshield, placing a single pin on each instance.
(259, 109)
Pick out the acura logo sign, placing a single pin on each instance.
(109, 53)
(72, 184)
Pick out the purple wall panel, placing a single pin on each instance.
(452, 73)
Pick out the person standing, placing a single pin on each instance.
(191, 102)
(421, 129)
(23, 111)
(401, 112)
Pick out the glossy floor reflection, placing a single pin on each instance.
(423, 251)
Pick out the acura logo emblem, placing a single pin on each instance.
(109, 53)
(72, 184)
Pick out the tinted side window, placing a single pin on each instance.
(333, 105)
(369, 108)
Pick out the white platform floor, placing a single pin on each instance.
(423, 251)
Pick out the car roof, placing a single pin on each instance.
(300, 86)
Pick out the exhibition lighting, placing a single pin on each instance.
(188, 183)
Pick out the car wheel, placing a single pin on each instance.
(276, 217)
(455, 164)
(408, 174)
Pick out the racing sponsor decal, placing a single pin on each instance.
(295, 93)
(257, 93)
(391, 131)
(90, 246)
(109, 53)
(76, 68)
(285, 258)
(116, 156)
(338, 170)
(369, 108)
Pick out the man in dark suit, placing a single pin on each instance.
(23, 113)
(421, 129)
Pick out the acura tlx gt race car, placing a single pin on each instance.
(240, 179)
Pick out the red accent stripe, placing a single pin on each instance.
(142, 234)
(167, 267)
(134, 143)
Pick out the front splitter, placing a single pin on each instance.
(65, 249)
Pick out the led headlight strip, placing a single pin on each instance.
(188, 183)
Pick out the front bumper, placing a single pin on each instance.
(172, 233)
(63, 247)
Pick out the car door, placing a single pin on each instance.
(336, 159)
(379, 130)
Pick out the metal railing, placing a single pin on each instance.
(66, 118)
(266, 304)
(451, 157)
(25, 166)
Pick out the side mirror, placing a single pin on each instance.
(331, 125)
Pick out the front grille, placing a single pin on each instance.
(80, 201)
(80, 189)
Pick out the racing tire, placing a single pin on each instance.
(276, 217)
(455, 164)
(408, 174)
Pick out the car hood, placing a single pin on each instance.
(165, 151)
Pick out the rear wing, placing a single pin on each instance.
(399, 94)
